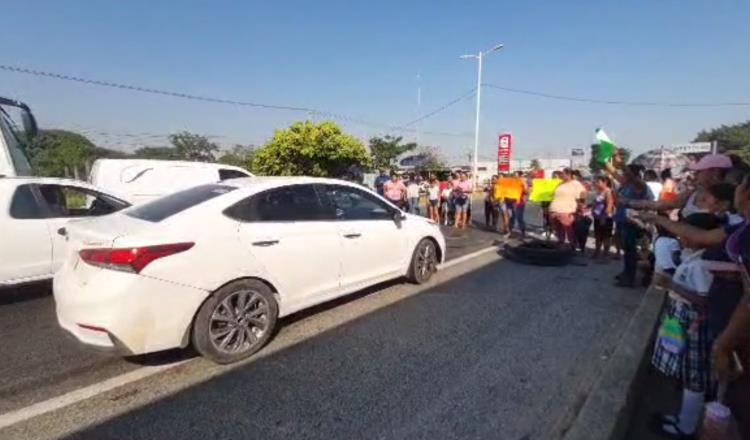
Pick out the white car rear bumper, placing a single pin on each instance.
(125, 312)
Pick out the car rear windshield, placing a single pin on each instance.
(172, 204)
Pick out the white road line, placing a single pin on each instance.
(467, 257)
(37, 409)
(55, 403)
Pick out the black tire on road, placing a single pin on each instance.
(235, 321)
(539, 253)
(423, 262)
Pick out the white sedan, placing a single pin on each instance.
(32, 209)
(217, 265)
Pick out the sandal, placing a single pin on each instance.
(669, 429)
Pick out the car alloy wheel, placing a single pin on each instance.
(424, 262)
(239, 322)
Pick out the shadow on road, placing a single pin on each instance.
(27, 292)
(495, 353)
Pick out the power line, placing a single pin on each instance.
(148, 90)
(189, 96)
(616, 101)
(442, 107)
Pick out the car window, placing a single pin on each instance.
(225, 174)
(161, 208)
(74, 201)
(284, 204)
(355, 204)
(24, 205)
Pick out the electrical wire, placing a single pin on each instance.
(182, 95)
(443, 107)
(616, 101)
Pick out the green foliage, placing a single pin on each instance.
(185, 146)
(310, 149)
(191, 146)
(239, 156)
(385, 150)
(161, 153)
(60, 153)
(730, 139)
(430, 160)
(594, 165)
(625, 153)
(535, 165)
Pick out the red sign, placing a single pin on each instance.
(504, 150)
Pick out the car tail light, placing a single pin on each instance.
(131, 259)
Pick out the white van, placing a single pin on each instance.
(141, 180)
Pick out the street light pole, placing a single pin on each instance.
(475, 165)
(479, 57)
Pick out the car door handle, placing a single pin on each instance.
(353, 235)
(265, 243)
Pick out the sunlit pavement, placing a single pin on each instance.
(40, 361)
(489, 349)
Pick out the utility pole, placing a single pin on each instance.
(419, 109)
(479, 57)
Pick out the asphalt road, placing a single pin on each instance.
(40, 361)
(489, 349)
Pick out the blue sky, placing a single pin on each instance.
(362, 59)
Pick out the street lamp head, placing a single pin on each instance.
(468, 57)
(496, 48)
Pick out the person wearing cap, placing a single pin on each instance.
(709, 170)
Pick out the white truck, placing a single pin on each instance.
(33, 209)
(17, 128)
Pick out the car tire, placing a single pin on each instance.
(538, 253)
(235, 321)
(423, 262)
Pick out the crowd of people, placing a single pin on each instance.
(698, 251)
(687, 234)
(447, 202)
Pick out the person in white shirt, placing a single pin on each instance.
(653, 183)
(433, 200)
(445, 197)
(412, 195)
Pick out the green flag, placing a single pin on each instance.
(606, 148)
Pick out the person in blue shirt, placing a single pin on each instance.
(632, 187)
(380, 181)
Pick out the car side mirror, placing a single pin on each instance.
(398, 216)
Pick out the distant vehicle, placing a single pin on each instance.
(31, 211)
(216, 265)
(17, 128)
(142, 180)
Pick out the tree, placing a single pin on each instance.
(625, 153)
(60, 153)
(161, 153)
(729, 138)
(191, 146)
(239, 156)
(595, 166)
(535, 165)
(306, 148)
(385, 150)
(430, 159)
